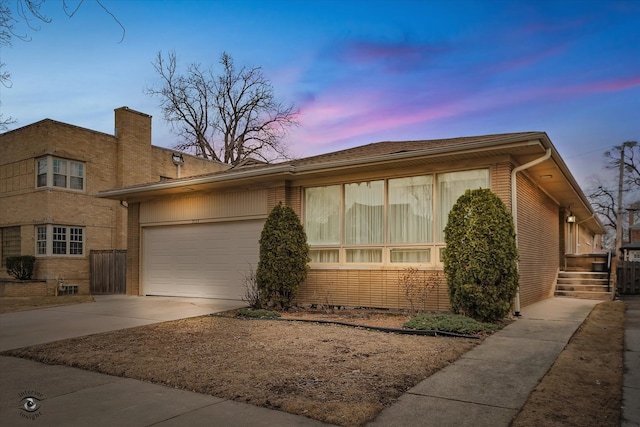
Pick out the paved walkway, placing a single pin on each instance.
(486, 387)
(489, 384)
(631, 381)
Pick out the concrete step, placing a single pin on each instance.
(585, 295)
(581, 287)
(576, 281)
(583, 275)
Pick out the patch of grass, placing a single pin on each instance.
(450, 323)
(258, 313)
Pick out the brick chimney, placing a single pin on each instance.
(133, 132)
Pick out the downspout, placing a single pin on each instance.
(514, 213)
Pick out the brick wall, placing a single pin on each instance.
(111, 161)
(538, 242)
(133, 250)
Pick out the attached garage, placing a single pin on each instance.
(199, 260)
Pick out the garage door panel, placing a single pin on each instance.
(200, 260)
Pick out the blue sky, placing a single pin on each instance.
(358, 71)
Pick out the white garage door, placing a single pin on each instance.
(200, 260)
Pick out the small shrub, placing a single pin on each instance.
(258, 314)
(284, 254)
(252, 294)
(417, 285)
(21, 267)
(450, 323)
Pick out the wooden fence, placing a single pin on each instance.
(108, 272)
(628, 278)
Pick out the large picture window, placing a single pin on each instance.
(394, 221)
(59, 240)
(60, 173)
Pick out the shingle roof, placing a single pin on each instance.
(391, 147)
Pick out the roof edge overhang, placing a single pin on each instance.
(235, 177)
(283, 170)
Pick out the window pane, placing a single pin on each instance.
(76, 180)
(60, 240)
(59, 173)
(364, 212)
(41, 240)
(411, 255)
(10, 243)
(410, 210)
(76, 183)
(75, 241)
(42, 173)
(453, 185)
(322, 215)
(324, 255)
(364, 255)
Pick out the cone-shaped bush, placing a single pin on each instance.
(284, 255)
(480, 259)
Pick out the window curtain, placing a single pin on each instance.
(453, 185)
(322, 215)
(410, 210)
(364, 213)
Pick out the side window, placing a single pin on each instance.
(59, 240)
(60, 173)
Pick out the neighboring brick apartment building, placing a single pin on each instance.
(49, 174)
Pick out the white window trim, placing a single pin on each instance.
(49, 241)
(49, 185)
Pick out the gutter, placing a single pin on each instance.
(514, 213)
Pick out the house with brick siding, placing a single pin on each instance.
(369, 212)
(49, 174)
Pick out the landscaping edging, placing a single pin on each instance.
(430, 333)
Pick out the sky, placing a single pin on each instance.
(358, 71)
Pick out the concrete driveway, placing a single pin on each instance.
(107, 313)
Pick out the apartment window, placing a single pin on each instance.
(394, 221)
(60, 173)
(10, 243)
(59, 240)
(41, 240)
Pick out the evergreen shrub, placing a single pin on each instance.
(480, 259)
(284, 257)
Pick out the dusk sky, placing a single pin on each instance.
(358, 71)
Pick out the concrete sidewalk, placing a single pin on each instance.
(107, 313)
(631, 380)
(73, 397)
(487, 386)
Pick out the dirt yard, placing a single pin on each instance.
(339, 374)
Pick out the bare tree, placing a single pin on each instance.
(230, 117)
(631, 160)
(604, 195)
(603, 200)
